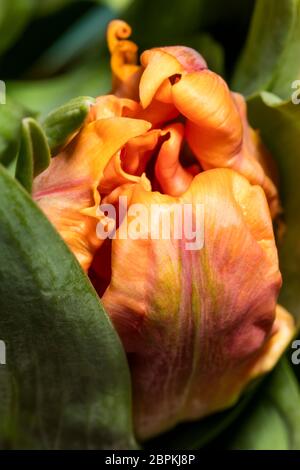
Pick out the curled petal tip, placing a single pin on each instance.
(126, 72)
(164, 62)
(117, 30)
(159, 66)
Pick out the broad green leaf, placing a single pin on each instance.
(66, 383)
(289, 67)
(272, 421)
(279, 125)
(61, 123)
(271, 57)
(34, 154)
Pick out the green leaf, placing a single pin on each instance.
(66, 383)
(289, 66)
(271, 57)
(39, 144)
(272, 422)
(34, 154)
(279, 125)
(61, 123)
(10, 131)
(24, 165)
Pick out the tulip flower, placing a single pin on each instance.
(198, 325)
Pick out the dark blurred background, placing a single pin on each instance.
(52, 50)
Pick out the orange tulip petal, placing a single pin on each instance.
(67, 190)
(214, 129)
(218, 131)
(157, 113)
(139, 150)
(159, 65)
(189, 59)
(198, 325)
(108, 106)
(172, 177)
(162, 63)
(255, 162)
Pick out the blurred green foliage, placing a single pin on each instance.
(275, 63)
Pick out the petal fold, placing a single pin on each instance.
(214, 128)
(68, 190)
(172, 177)
(161, 64)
